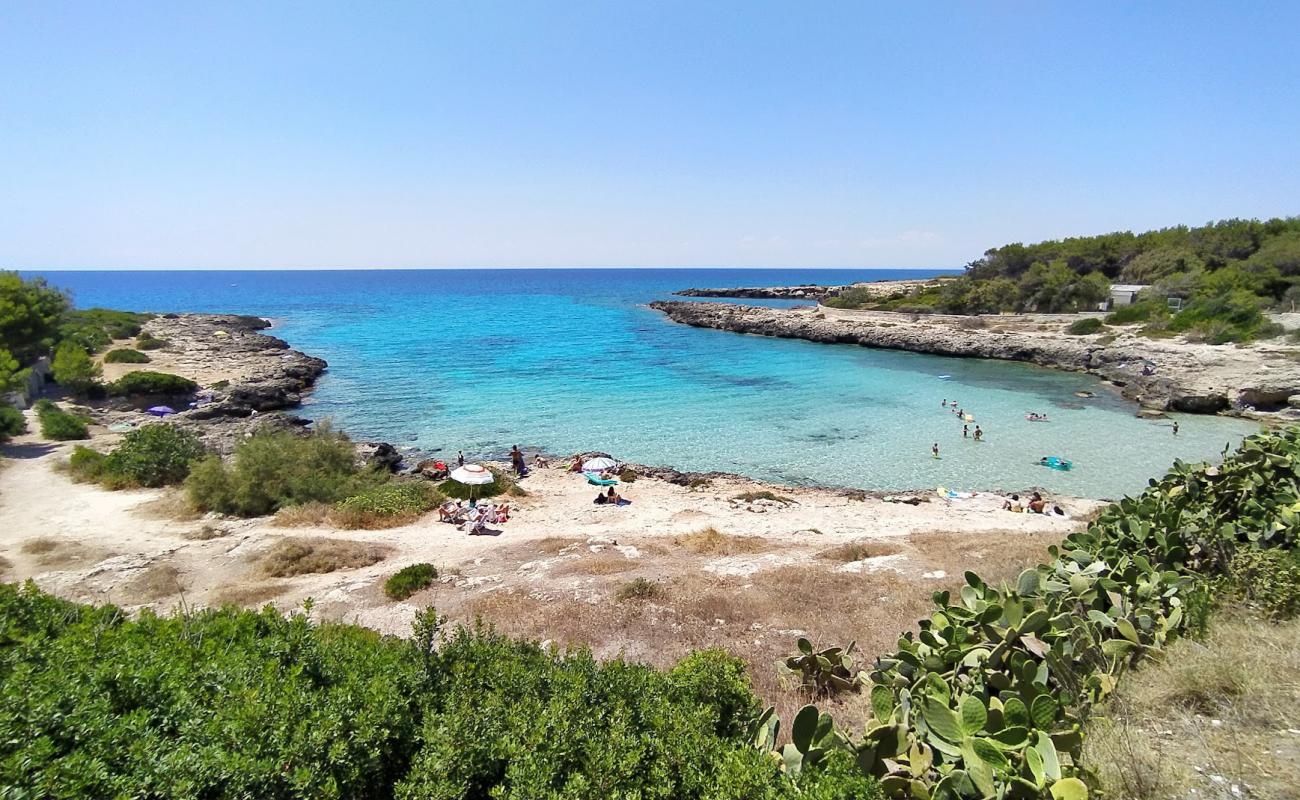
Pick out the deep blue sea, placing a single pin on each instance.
(569, 360)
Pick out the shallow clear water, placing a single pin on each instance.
(568, 360)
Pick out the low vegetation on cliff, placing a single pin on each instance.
(1224, 275)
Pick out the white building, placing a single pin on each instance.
(1124, 294)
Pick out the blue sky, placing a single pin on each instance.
(317, 134)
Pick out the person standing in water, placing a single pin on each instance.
(1175, 427)
(460, 458)
(934, 450)
(979, 434)
(965, 431)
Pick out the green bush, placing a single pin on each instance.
(124, 355)
(274, 470)
(145, 382)
(159, 454)
(409, 580)
(73, 368)
(59, 425)
(236, 704)
(95, 328)
(86, 465)
(12, 421)
(1141, 311)
(1270, 579)
(149, 342)
(386, 505)
(1236, 316)
(1084, 327)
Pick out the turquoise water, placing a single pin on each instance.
(568, 360)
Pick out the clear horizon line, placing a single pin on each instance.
(448, 269)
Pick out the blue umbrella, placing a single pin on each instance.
(162, 411)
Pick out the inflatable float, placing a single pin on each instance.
(1057, 463)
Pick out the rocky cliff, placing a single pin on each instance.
(1260, 380)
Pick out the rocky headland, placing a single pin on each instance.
(248, 379)
(1261, 380)
(807, 291)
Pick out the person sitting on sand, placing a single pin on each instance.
(612, 498)
(600, 499)
(489, 512)
(1013, 504)
(473, 521)
(450, 511)
(503, 512)
(540, 461)
(1037, 503)
(577, 464)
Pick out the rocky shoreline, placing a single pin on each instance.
(807, 291)
(249, 380)
(1261, 381)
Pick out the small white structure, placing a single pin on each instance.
(1124, 294)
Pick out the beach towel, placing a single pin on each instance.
(596, 480)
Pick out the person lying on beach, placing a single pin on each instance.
(577, 464)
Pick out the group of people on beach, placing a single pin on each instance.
(473, 517)
(1035, 505)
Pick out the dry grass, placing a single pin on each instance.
(319, 515)
(172, 505)
(250, 594)
(5, 565)
(60, 553)
(638, 589)
(302, 555)
(550, 545)
(306, 515)
(603, 563)
(712, 542)
(859, 550)
(154, 583)
(1227, 707)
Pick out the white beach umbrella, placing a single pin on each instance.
(599, 464)
(472, 475)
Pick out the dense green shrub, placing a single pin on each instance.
(29, 316)
(145, 382)
(1236, 316)
(409, 580)
(124, 355)
(274, 470)
(236, 704)
(1084, 327)
(220, 704)
(96, 328)
(59, 425)
(159, 454)
(150, 342)
(12, 421)
(386, 505)
(1141, 311)
(73, 368)
(1270, 579)
(86, 465)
